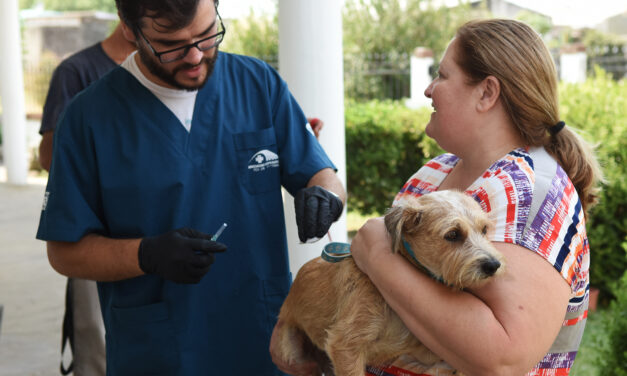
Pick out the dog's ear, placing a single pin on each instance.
(394, 225)
(411, 220)
(399, 220)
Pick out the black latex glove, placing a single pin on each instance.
(182, 256)
(316, 210)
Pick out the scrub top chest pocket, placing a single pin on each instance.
(258, 160)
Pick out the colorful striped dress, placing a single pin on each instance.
(533, 204)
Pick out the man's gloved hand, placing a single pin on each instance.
(182, 256)
(316, 210)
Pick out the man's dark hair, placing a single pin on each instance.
(179, 13)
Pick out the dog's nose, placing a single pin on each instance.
(489, 267)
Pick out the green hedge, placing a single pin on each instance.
(613, 358)
(386, 144)
(599, 108)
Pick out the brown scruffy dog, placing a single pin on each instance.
(335, 307)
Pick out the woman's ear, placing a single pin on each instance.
(490, 90)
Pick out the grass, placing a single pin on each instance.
(354, 221)
(594, 339)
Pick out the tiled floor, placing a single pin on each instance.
(30, 291)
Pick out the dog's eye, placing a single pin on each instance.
(452, 236)
(485, 230)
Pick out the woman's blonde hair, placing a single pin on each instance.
(514, 53)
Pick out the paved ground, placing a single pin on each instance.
(30, 291)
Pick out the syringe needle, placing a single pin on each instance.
(217, 234)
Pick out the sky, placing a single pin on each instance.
(241, 8)
(575, 13)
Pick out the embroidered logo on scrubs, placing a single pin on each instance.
(45, 203)
(262, 160)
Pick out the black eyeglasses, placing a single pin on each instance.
(180, 52)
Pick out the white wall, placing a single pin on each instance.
(12, 94)
(311, 62)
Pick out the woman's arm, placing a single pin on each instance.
(503, 328)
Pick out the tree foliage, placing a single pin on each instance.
(613, 358)
(380, 35)
(71, 5)
(599, 108)
(538, 22)
(390, 27)
(397, 27)
(254, 35)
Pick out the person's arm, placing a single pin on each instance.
(65, 83)
(318, 205)
(503, 328)
(327, 179)
(96, 257)
(316, 125)
(182, 256)
(45, 150)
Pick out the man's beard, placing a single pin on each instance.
(169, 77)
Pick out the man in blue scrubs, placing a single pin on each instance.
(149, 161)
(82, 322)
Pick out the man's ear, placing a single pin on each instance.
(127, 31)
(490, 91)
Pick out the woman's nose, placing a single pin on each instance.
(429, 90)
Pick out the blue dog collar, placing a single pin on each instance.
(336, 251)
(412, 254)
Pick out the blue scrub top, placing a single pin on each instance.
(124, 167)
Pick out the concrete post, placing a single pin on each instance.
(12, 93)
(311, 62)
(573, 63)
(420, 64)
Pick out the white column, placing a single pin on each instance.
(12, 94)
(311, 62)
(420, 63)
(573, 63)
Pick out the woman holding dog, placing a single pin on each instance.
(496, 115)
(495, 106)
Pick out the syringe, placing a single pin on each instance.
(217, 234)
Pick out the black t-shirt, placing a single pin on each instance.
(72, 76)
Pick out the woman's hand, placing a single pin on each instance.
(371, 244)
(300, 369)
